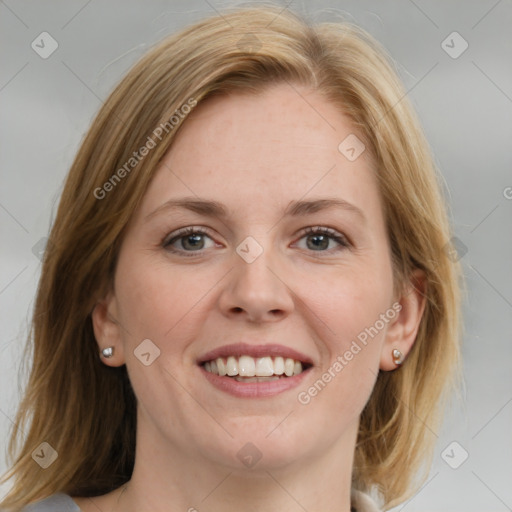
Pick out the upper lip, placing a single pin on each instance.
(261, 350)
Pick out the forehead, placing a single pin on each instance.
(277, 146)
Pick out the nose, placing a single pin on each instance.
(257, 291)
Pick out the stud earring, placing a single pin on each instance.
(398, 357)
(107, 352)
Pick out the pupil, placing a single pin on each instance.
(193, 242)
(321, 242)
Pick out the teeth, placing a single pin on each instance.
(221, 367)
(231, 366)
(279, 366)
(250, 369)
(264, 367)
(289, 366)
(256, 379)
(246, 367)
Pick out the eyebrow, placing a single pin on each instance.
(211, 208)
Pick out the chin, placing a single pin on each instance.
(264, 443)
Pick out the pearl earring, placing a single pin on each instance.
(398, 357)
(107, 352)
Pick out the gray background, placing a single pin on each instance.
(464, 103)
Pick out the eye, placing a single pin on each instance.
(190, 239)
(322, 239)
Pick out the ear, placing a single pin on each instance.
(402, 331)
(107, 330)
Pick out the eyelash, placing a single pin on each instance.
(337, 237)
(191, 230)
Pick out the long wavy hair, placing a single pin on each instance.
(86, 410)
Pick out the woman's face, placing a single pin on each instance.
(286, 258)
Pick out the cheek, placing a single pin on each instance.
(160, 303)
(352, 319)
(158, 300)
(349, 302)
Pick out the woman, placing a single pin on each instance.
(246, 300)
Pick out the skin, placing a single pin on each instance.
(253, 154)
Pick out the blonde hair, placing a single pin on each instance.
(87, 411)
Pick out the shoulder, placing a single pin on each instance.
(55, 503)
(64, 503)
(361, 502)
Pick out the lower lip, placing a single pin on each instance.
(254, 389)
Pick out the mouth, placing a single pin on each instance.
(254, 371)
(250, 369)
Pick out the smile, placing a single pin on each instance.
(253, 371)
(250, 369)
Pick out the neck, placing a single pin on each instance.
(173, 479)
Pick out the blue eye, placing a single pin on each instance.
(188, 240)
(319, 239)
(191, 241)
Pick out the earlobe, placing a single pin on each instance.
(107, 332)
(401, 334)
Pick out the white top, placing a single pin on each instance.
(63, 503)
(55, 503)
